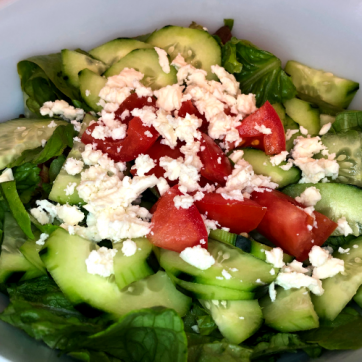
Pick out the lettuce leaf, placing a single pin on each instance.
(345, 332)
(348, 120)
(27, 180)
(147, 335)
(258, 72)
(218, 352)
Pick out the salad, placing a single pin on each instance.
(179, 196)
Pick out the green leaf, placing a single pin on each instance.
(345, 332)
(92, 356)
(195, 25)
(348, 120)
(146, 335)
(17, 208)
(27, 180)
(229, 23)
(261, 72)
(40, 309)
(55, 167)
(218, 352)
(336, 241)
(60, 139)
(26, 156)
(273, 344)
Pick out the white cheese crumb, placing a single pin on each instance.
(163, 60)
(290, 132)
(87, 92)
(100, 262)
(343, 227)
(355, 246)
(169, 98)
(278, 159)
(69, 190)
(299, 280)
(241, 318)
(275, 257)
(73, 166)
(143, 164)
(225, 274)
(162, 186)
(198, 257)
(184, 201)
(42, 239)
(263, 129)
(71, 215)
(272, 292)
(325, 129)
(303, 130)
(7, 175)
(343, 251)
(236, 155)
(309, 197)
(129, 247)
(148, 134)
(52, 124)
(43, 143)
(63, 109)
(40, 215)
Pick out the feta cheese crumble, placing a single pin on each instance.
(278, 159)
(69, 190)
(73, 166)
(129, 247)
(275, 257)
(7, 175)
(343, 227)
(263, 129)
(63, 109)
(100, 262)
(163, 60)
(325, 266)
(272, 292)
(198, 257)
(325, 129)
(42, 239)
(309, 197)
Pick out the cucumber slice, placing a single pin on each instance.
(262, 166)
(338, 200)
(13, 265)
(348, 149)
(280, 110)
(258, 250)
(112, 51)
(63, 179)
(304, 114)
(202, 291)
(242, 270)
(128, 269)
(146, 62)
(322, 85)
(90, 84)
(73, 62)
(289, 124)
(340, 289)
(30, 250)
(292, 311)
(223, 236)
(23, 134)
(237, 320)
(198, 47)
(64, 256)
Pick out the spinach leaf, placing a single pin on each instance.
(55, 167)
(348, 120)
(25, 157)
(17, 208)
(27, 180)
(276, 343)
(258, 72)
(217, 352)
(336, 241)
(92, 356)
(60, 139)
(345, 332)
(38, 307)
(147, 335)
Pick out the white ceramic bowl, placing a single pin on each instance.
(323, 34)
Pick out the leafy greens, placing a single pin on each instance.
(258, 72)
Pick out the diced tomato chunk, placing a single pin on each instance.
(288, 226)
(136, 142)
(272, 143)
(216, 166)
(238, 216)
(188, 107)
(176, 229)
(132, 102)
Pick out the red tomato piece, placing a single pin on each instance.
(238, 216)
(135, 143)
(188, 107)
(289, 227)
(273, 143)
(132, 102)
(216, 166)
(176, 229)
